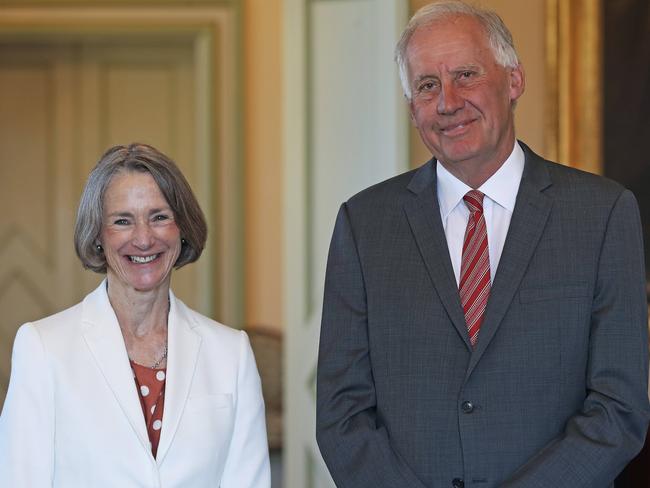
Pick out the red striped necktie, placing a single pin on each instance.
(474, 286)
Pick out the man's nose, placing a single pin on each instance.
(449, 100)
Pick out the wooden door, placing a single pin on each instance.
(62, 103)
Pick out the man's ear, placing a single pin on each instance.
(517, 80)
(411, 110)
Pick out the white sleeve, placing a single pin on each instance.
(27, 419)
(247, 465)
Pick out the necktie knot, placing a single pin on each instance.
(474, 201)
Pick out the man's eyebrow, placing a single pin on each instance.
(466, 67)
(456, 69)
(424, 77)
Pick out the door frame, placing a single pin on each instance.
(212, 27)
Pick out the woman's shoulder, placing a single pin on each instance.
(208, 327)
(227, 345)
(70, 319)
(51, 332)
(63, 318)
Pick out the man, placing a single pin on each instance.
(484, 320)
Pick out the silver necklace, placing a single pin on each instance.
(162, 358)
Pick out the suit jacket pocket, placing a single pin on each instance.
(205, 431)
(554, 292)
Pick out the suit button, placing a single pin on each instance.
(467, 407)
(457, 483)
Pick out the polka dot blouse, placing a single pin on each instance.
(151, 389)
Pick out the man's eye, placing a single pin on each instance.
(428, 86)
(466, 74)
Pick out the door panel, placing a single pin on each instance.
(345, 129)
(62, 104)
(143, 91)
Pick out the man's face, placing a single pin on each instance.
(461, 99)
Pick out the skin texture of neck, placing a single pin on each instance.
(142, 316)
(139, 312)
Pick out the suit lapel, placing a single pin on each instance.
(104, 339)
(423, 213)
(529, 218)
(102, 334)
(184, 346)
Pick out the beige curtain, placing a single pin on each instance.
(574, 64)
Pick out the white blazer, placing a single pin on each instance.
(72, 417)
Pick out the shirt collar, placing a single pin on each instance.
(501, 187)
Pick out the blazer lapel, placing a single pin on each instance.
(529, 218)
(102, 334)
(184, 346)
(423, 213)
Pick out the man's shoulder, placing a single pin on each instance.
(571, 176)
(574, 183)
(392, 190)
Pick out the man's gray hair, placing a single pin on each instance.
(498, 34)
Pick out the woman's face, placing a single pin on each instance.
(139, 234)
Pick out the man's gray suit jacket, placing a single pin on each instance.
(554, 394)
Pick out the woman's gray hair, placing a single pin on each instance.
(173, 185)
(498, 34)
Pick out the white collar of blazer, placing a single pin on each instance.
(102, 334)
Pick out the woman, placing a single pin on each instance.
(130, 387)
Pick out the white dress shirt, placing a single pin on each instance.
(500, 192)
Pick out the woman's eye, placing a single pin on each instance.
(121, 222)
(160, 217)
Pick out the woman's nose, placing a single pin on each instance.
(143, 236)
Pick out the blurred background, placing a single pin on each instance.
(276, 111)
